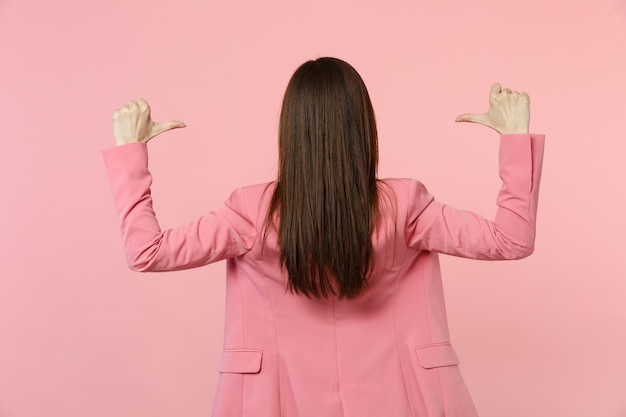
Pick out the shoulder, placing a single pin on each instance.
(256, 193)
(409, 192)
(258, 189)
(251, 200)
(403, 187)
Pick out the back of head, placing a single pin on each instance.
(326, 198)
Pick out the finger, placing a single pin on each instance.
(159, 128)
(495, 89)
(143, 104)
(507, 90)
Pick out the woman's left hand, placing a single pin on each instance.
(132, 123)
(509, 111)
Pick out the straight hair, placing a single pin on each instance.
(326, 198)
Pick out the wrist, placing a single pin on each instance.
(125, 142)
(515, 130)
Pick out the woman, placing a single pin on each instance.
(334, 297)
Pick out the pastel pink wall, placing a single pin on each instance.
(81, 335)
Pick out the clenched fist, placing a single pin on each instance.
(132, 123)
(509, 111)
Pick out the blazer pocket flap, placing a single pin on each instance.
(433, 356)
(241, 361)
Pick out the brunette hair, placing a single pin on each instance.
(326, 197)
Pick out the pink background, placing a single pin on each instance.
(81, 335)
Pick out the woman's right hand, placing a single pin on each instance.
(509, 111)
(132, 123)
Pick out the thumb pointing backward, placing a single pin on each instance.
(473, 118)
(483, 118)
(158, 128)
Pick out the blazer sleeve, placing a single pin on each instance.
(434, 226)
(217, 235)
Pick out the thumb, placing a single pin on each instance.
(158, 128)
(473, 118)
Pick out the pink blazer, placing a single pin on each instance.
(385, 354)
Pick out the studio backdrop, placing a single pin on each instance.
(82, 335)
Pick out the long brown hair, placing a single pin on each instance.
(326, 198)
